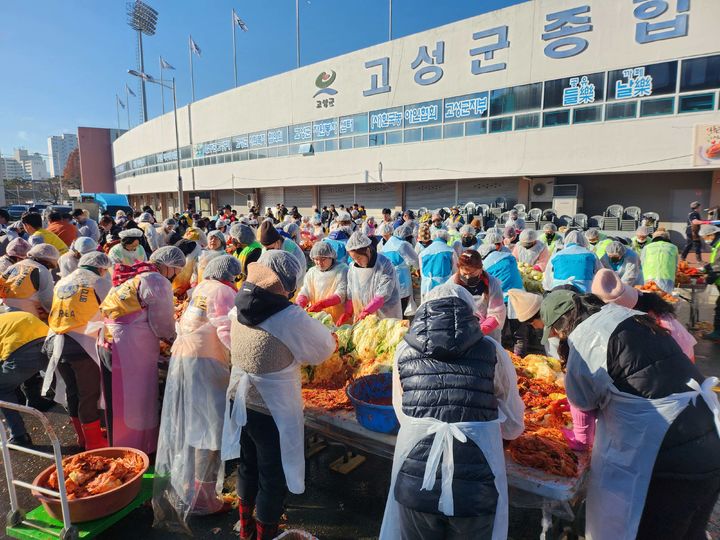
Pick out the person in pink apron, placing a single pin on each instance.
(655, 468)
(138, 314)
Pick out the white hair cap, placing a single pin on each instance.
(168, 256)
(616, 249)
(95, 259)
(83, 245)
(358, 240)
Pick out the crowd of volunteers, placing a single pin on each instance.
(88, 308)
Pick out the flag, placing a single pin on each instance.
(129, 90)
(193, 47)
(120, 102)
(164, 64)
(239, 22)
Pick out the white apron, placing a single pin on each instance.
(630, 431)
(281, 393)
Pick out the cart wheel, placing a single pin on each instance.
(70, 533)
(15, 518)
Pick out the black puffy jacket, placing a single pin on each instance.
(447, 372)
(649, 363)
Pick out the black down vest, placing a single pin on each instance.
(447, 372)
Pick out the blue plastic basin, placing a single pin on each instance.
(379, 418)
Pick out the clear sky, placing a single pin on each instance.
(63, 61)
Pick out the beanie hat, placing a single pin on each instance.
(525, 304)
(607, 286)
(268, 233)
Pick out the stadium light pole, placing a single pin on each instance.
(143, 19)
(149, 78)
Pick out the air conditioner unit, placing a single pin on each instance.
(567, 199)
(541, 190)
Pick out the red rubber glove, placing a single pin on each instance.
(582, 436)
(374, 305)
(326, 303)
(538, 268)
(488, 325)
(347, 315)
(302, 301)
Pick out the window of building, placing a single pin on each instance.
(330, 145)
(657, 107)
(282, 151)
(527, 121)
(515, 99)
(556, 118)
(346, 143)
(620, 111)
(697, 103)
(700, 74)
(432, 133)
(585, 115)
(662, 80)
(476, 127)
(394, 137)
(377, 139)
(361, 141)
(453, 130)
(555, 90)
(498, 125)
(412, 135)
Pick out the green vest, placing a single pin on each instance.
(636, 247)
(601, 247)
(242, 257)
(552, 245)
(660, 261)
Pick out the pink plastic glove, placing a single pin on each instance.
(347, 315)
(488, 325)
(326, 303)
(375, 304)
(302, 301)
(538, 268)
(582, 436)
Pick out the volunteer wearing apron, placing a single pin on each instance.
(531, 251)
(372, 282)
(270, 339)
(270, 239)
(28, 284)
(574, 265)
(137, 314)
(399, 250)
(325, 285)
(455, 394)
(68, 262)
(655, 469)
(624, 262)
(188, 469)
(216, 247)
(660, 261)
(551, 238)
(247, 248)
(71, 344)
(438, 262)
(16, 251)
(128, 251)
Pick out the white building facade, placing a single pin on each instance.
(618, 100)
(59, 149)
(12, 169)
(33, 164)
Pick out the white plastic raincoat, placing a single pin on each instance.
(403, 256)
(364, 284)
(630, 429)
(319, 285)
(188, 468)
(311, 343)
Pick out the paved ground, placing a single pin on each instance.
(334, 506)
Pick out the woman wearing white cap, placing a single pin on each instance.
(128, 251)
(28, 284)
(530, 250)
(147, 223)
(69, 261)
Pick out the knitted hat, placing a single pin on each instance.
(525, 304)
(268, 233)
(607, 286)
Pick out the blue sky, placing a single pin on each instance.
(64, 60)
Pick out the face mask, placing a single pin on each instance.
(468, 241)
(470, 281)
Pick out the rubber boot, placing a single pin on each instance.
(248, 527)
(267, 531)
(78, 431)
(93, 436)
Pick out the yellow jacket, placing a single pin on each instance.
(17, 329)
(52, 239)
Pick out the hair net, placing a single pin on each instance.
(84, 245)
(18, 248)
(218, 234)
(493, 238)
(170, 222)
(403, 231)
(242, 233)
(168, 256)
(486, 249)
(145, 217)
(221, 223)
(615, 249)
(575, 237)
(707, 230)
(509, 232)
(323, 249)
(514, 213)
(342, 217)
(642, 231)
(43, 252)
(592, 234)
(385, 228)
(467, 230)
(549, 227)
(95, 259)
(358, 240)
(130, 233)
(223, 268)
(442, 234)
(285, 266)
(528, 236)
(292, 229)
(450, 289)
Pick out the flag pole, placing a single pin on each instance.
(297, 30)
(127, 103)
(162, 86)
(234, 47)
(192, 75)
(117, 108)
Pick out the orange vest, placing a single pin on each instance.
(73, 307)
(122, 300)
(16, 282)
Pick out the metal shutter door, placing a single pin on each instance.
(430, 195)
(270, 197)
(485, 191)
(302, 197)
(337, 195)
(375, 197)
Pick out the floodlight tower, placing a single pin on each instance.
(143, 19)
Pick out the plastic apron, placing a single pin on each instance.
(630, 431)
(281, 393)
(363, 287)
(391, 251)
(486, 435)
(319, 285)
